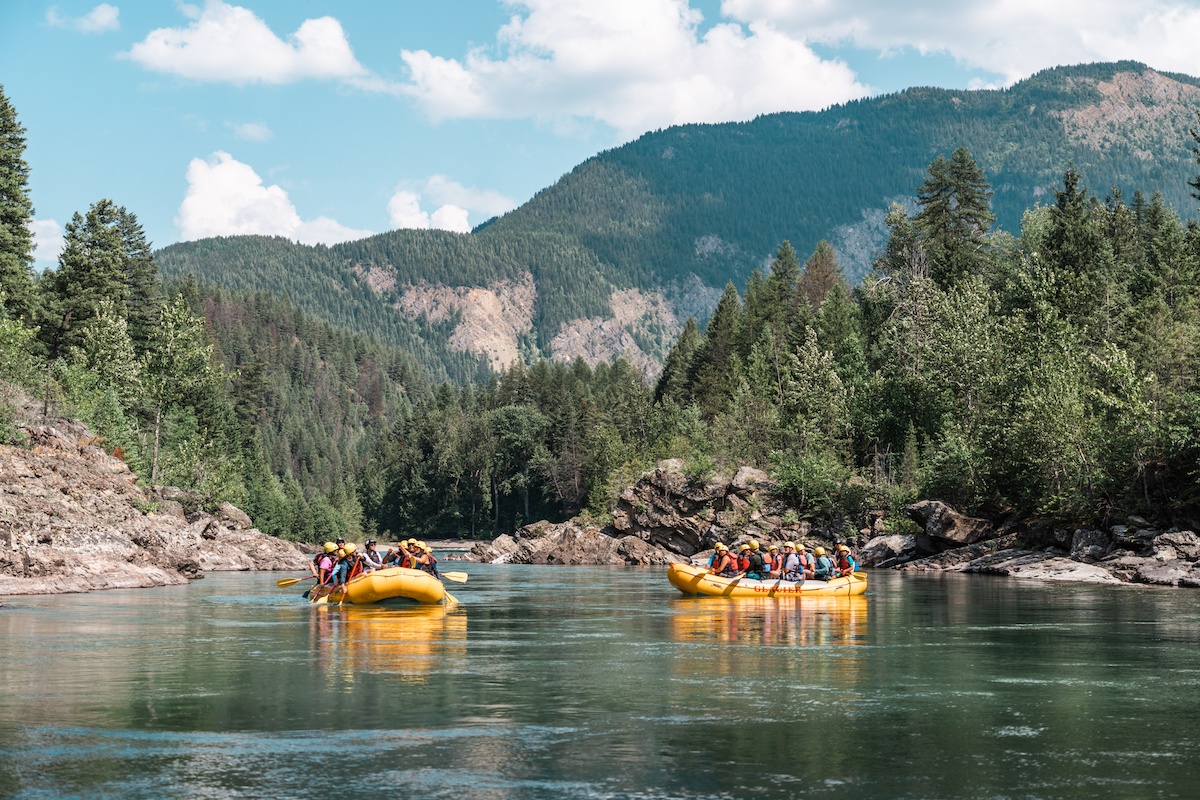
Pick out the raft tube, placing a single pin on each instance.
(385, 584)
(697, 581)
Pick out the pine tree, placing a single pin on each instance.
(821, 274)
(673, 382)
(955, 216)
(16, 213)
(715, 369)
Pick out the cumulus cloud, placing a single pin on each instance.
(101, 19)
(230, 43)
(1010, 38)
(227, 198)
(633, 64)
(252, 131)
(454, 202)
(47, 240)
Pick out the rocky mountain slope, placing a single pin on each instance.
(72, 519)
(612, 258)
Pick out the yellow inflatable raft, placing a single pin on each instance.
(696, 580)
(384, 584)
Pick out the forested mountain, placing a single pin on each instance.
(612, 258)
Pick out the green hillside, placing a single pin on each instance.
(686, 209)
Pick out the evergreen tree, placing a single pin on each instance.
(16, 213)
(715, 368)
(673, 382)
(955, 216)
(821, 274)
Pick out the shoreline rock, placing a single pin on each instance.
(73, 519)
(665, 517)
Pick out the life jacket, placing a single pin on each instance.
(743, 563)
(354, 567)
(727, 565)
(847, 564)
(755, 563)
(825, 567)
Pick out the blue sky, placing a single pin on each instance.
(324, 121)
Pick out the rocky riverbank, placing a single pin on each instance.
(73, 519)
(667, 516)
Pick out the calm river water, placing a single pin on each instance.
(558, 682)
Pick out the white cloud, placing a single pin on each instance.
(47, 240)
(252, 131)
(1011, 38)
(101, 19)
(227, 198)
(441, 189)
(405, 210)
(230, 43)
(454, 202)
(634, 64)
(450, 218)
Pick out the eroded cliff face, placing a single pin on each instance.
(491, 320)
(1137, 108)
(497, 320)
(641, 321)
(72, 519)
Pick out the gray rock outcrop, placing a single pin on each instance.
(72, 519)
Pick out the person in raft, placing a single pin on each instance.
(372, 558)
(846, 564)
(323, 564)
(808, 562)
(723, 563)
(353, 563)
(825, 568)
(773, 562)
(791, 568)
(756, 568)
(398, 557)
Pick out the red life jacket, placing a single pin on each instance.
(743, 563)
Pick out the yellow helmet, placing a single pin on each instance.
(800, 546)
(843, 549)
(754, 544)
(351, 547)
(330, 547)
(421, 545)
(790, 544)
(743, 548)
(720, 546)
(773, 547)
(427, 549)
(820, 551)
(341, 552)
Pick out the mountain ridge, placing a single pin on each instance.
(678, 212)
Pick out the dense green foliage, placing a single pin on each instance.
(714, 201)
(16, 212)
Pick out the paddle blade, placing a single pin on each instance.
(450, 598)
(282, 582)
(457, 577)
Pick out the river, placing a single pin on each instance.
(559, 682)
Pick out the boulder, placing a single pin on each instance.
(1040, 566)
(1090, 545)
(888, 551)
(1178, 544)
(233, 517)
(748, 479)
(1163, 573)
(570, 543)
(946, 528)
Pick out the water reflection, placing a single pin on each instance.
(814, 622)
(408, 641)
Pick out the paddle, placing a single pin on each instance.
(450, 597)
(457, 577)
(282, 582)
